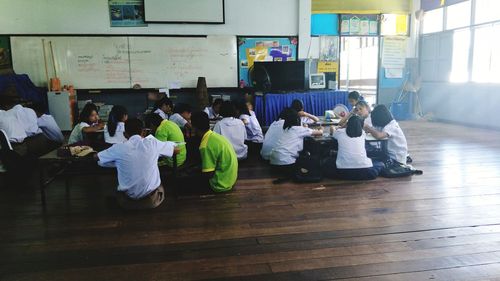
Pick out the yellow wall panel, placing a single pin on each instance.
(361, 6)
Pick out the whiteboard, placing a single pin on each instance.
(193, 11)
(85, 62)
(121, 62)
(156, 62)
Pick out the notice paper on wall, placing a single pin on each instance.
(393, 73)
(394, 56)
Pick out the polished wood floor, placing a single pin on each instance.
(443, 225)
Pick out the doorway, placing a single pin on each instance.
(359, 65)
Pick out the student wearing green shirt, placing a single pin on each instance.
(165, 130)
(218, 160)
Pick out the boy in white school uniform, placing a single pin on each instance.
(182, 117)
(213, 111)
(164, 107)
(27, 117)
(48, 124)
(136, 161)
(232, 129)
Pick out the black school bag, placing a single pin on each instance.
(308, 168)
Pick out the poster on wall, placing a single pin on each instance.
(394, 56)
(359, 25)
(5, 61)
(123, 13)
(328, 48)
(253, 49)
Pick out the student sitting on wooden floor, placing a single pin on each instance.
(232, 129)
(363, 110)
(166, 130)
(353, 98)
(247, 115)
(48, 124)
(113, 131)
(213, 111)
(139, 185)
(219, 164)
(352, 162)
(182, 117)
(164, 107)
(89, 122)
(273, 134)
(305, 118)
(384, 126)
(291, 142)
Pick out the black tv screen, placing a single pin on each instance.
(282, 76)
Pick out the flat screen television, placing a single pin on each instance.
(278, 76)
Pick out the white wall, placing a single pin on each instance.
(243, 17)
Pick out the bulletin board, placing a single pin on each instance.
(252, 49)
(359, 25)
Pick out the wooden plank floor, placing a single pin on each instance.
(443, 225)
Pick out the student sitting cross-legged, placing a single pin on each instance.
(384, 126)
(139, 185)
(232, 129)
(219, 164)
(352, 162)
(285, 153)
(273, 134)
(166, 130)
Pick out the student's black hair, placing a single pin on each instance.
(284, 112)
(217, 102)
(133, 126)
(291, 119)
(228, 109)
(200, 121)
(242, 108)
(354, 95)
(363, 103)
(115, 115)
(87, 111)
(39, 107)
(182, 107)
(166, 101)
(152, 120)
(354, 127)
(297, 105)
(381, 116)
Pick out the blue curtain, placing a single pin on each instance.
(317, 102)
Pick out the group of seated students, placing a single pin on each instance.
(285, 139)
(31, 133)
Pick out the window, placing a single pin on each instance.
(460, 58)
(487, 11)
(486, 57)
(458, 15)
(433, 21)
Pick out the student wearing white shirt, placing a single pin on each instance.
(353, 98)
(48, 124)
(273, 135)
(12, 127)
(285, 153)
(164, 107)
(182, 117)
(139, 184)
(115, 128)
(232, 129)
(27, 117)
(363, 110)
(213, 111)
(305, 118)
(89, 122)
(247, 115)
(384, 126)
(352, 162)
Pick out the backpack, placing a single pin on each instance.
(308, 168)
